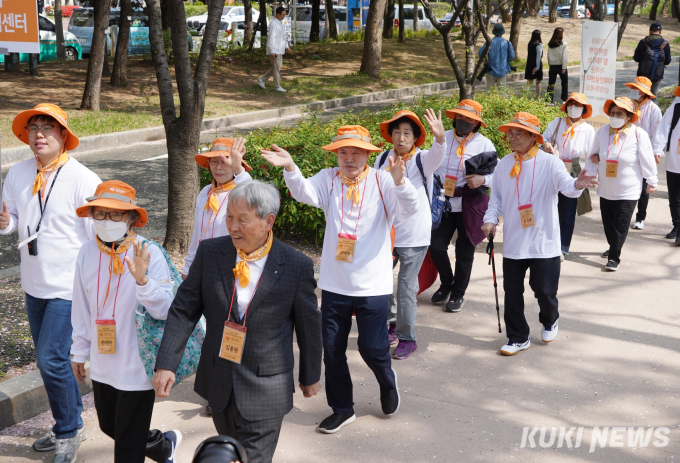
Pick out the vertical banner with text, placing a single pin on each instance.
(598, 66)
(19, 26)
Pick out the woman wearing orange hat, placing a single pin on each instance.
(525, 188)
(114, 273)
(649, 119)
(228, 169)
(466, 201)
(38, 201)
(570, 138)
(411, 235)
(622, 157)
(360, 204)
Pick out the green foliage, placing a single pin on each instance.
(677, 39)
(350, 36)
(440, 9)
(194, 10)
(305, 139)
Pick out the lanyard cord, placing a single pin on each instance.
(245, 314)
(115, 300)
(531, 194)
(460, 160)
(42, 208)
(564, 143)
(622, 143)
(342, 205)
(203, 233)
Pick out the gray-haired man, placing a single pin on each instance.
(247, 379)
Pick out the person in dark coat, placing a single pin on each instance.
(534, 69)
(653, 41)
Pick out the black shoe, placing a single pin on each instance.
(612, 265)
(442, 294)
(455, 305)
(334, 422)
(390, 399)
(605, 254)
(673, 234)
(677, 241)
(208, 410)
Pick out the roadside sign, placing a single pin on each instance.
(19, 31)
(598, 66)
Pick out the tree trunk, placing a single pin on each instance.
(532, 8)
(416, 13)
(93, 81)
(12, 63)
(402, 21)
(599, 10)
(627, 12)
(676, 7)
(572, 9)
(664, 8)
(263, 20)
(506, 15)
(33, 63)
(165, 14)
(332, 30)
(59, 24)
(552, 11)
(370, 60)
(652, 12)
(388, 22)
(516, 24)
(616, 11)
(119, 75)
(183, 131)
(314, 31)
(248, 34)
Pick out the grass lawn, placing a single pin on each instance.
(311, 72)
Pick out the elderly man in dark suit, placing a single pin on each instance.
(253, 290)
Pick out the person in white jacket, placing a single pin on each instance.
(277, 46)
(622, 157)
(411, 234)
(360, 205)
(649, 118)
(228, 169)
(525, 187)
(558, 55)
(667, 143)
(114, 273)
(570, 138)
(39, 199)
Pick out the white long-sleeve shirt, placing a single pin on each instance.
(650, 117)
(455, 166)
(370, 273)
(576, 147)
(207, 224)
(49, 275)
(660, 141)
(124, 369)
(558, 55)
(415, 231)
(276, 38)
(550, 177)
(635, 162)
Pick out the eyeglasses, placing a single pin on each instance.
(214, 162)
(33, 129)
(113, 216)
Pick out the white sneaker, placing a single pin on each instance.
(549, 333)
(67, 450)
(261, 84)
(513, 348)
(280, 89)
(639, 225)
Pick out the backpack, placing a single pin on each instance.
(651, 64)
(674, 122)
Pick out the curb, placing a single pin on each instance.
(116, 139)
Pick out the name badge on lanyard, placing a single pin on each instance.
(526, 215)
(106, 336)
(612, 168)
(450, 185)
(233, 340)
(345, 250)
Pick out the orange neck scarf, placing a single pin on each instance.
(242, 270)
(462, 142)
(40, 178)
(214, 195)
(519, 158)
(116, 264)
(571, 128)
(616, 132)
(406, 157)
(353, 185)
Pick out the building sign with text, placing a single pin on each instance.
(598, 66)
(19, 27)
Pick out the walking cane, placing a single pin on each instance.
(492, 263)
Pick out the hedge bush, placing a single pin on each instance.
(305, 139)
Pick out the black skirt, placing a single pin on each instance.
(531, 60)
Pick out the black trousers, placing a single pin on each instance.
(616, 217)
(544, 276)
(125, 416)
(374, 346)
(673, 182)
(642, 203)
(465, 253)
(258, 437)
(554, 71)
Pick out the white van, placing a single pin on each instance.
(303, 25)
(423, 22)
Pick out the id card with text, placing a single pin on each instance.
(345, 251)
(106, 336)
(612, 168)
(526, 215)
(450, 185)
(233, 340)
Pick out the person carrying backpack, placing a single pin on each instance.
(652, 54)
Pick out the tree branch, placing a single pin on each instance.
(160, 62)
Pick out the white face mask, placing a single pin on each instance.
(634, 94)
(109, 231)
(616, 123)
(574, 112)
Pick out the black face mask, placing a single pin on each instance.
(464, 127)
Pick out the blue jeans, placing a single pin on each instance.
(50, 321)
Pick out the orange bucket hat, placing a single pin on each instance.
(467, 108)
(643, 84)
(524, 121)
(623, 103)
(384, 126)
(676, 92)
(219, 146)
(114, 194)
(351, 135)
(45, 109)
(579, 98)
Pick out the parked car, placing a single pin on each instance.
(304, 21)
(423, 22)
(564, 11)
(48, 43)
(229, 14)
(446, 19)
(226, 35)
